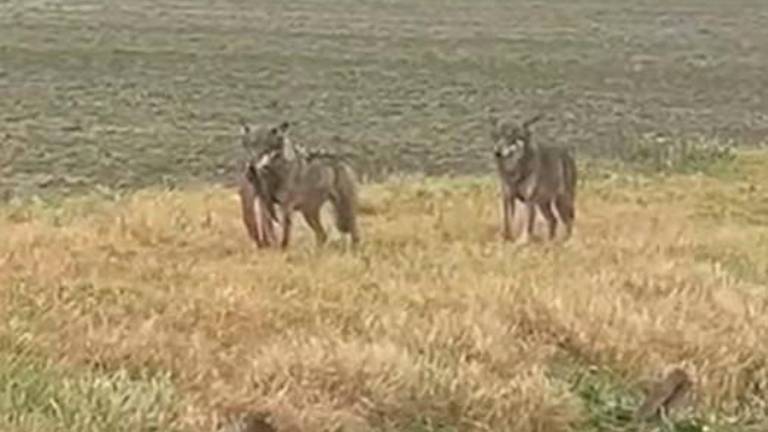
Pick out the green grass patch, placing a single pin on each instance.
(38, 397)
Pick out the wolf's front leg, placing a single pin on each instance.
(287, 224)
(508, 207)
(527, 231)
(266, 224)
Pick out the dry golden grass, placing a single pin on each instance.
(433, 320)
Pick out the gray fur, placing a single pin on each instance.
(295, 179)
(541, 177)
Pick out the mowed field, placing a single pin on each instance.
(131, 299)
(127, 94)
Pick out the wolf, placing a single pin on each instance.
(541, 177)
(289, 177)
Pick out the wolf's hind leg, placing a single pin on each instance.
(312, 217)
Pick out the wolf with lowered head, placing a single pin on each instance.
(539, 176)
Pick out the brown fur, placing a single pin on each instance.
(256, 216)
(244, 421)
(665, 394)
(541, 177)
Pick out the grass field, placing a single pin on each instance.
(155, 309)
(131, 299)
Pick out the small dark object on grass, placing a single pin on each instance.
(665, 394)
(246, 422)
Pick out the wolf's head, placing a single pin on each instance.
(261, 140)
(512, 141)
(269, 145)
(273, 156)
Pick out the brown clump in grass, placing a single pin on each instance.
(665, 394)
(240, 420)
(433, 321)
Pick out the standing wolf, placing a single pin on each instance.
(539, 176)
(289, 177)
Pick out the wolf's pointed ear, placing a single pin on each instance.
(491, 114)
(493, 120)
(527, 124)
(244, 136)
(244, 128)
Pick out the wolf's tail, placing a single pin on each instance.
(345, 199)
(569, 174)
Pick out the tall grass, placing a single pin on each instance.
(433, 324)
